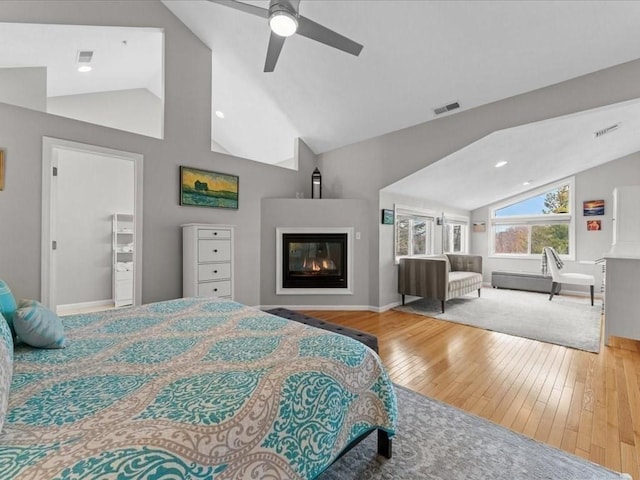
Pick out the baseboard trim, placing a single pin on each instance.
(322, 307)
(70, 307)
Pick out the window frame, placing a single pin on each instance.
(456, 220)
(531, 220)
(429, 215)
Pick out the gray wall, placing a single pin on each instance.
(593, 184)
(186, 142)
(279, 212)
(91, 188)
(25, 87)
(136, 111)
(362, 169)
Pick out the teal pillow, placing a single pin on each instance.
(38, 326)
(6, 366)
(7, 305)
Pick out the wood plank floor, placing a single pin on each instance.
(584, 403)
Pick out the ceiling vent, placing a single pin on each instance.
(604, 131)
(446, 108)
(85, 56)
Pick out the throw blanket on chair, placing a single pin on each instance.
(544, 268)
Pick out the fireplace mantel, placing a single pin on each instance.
(280, 290)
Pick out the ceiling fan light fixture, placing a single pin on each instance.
(283, 23)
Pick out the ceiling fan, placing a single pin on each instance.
(284, 21)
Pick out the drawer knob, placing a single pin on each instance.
(215, 233)
(215, 251)
(215, 289)
(215, 271)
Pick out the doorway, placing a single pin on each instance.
(84, 189)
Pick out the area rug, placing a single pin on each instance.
(566, 320)
(438, 442)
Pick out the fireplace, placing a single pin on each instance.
(314, 261)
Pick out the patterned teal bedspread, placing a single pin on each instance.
(190, 389)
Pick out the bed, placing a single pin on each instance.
(191, 389)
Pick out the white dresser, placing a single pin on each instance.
(207, 260)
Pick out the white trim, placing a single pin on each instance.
(399, 209)
(71, 307)
(314, 291)
(50, 148)
(457, 220)
(349, 308)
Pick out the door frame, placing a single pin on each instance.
(50, 148)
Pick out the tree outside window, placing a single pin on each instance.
(527, 226)
(413, 235)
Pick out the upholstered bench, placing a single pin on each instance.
(369, 340)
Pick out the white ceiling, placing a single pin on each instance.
(538, 153)
(124, 58)
(417, 55)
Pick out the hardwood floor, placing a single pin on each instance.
(584, 403)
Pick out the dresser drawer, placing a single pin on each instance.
(213, 233)
(214, 251)
(214, 271)
(215, 289)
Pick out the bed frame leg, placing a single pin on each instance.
(384, 444)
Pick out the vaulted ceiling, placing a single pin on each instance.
(418, 55)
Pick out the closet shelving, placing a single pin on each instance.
(123, 259)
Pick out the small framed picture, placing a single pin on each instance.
(387, 216)
(479, 227)
(594, 225)
(592, 208)
(202, 188)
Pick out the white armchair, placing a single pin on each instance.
(562, 277)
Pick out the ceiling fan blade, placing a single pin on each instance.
(244, 7)
(273, 51)
(315, 31)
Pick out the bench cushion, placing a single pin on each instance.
(368, 339)
(461, 283)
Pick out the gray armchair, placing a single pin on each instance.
(442, 277)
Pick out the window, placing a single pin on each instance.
(413, 232)
(455, 235)
(543, 218)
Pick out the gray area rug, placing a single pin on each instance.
(566, 320)
(438, 442)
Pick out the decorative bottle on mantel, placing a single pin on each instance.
(316, 184)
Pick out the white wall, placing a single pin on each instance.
(136, 111)
(24, 86)
(91, 188)
(187, 141)
(593, 184)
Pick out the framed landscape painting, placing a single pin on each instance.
(202, 188)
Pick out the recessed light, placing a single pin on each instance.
(501, 163)
(219, 114)
(84, 68)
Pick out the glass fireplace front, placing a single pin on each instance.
(314, 260)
